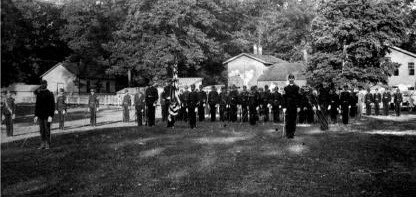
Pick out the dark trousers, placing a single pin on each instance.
(353, 111)
(302, 116)
(290, 123)
(171, 121)
(276, 114)
(333, 114)
(212, 111)
(377, 108)
(192, 116)
(184, 114)
(386, 109)
(368, 109)
(45, 130)
(233, 113)
(244, 110)
(253, 114)
(61, 119)
(201, 112)
(126, 114)
(397, 107)
(345, 113)
(310, 116)
(151, 115)
(223, 109)
(265, 113)
(139, 115)
(8, 119)
(165, 108)
(93, 116)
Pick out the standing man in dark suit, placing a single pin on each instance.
(213, 101)
(386, 99)
(291, 106)
(243, 100)
(276, 104)
(223, 103)
(44, 110)
(166, 98)
(233, 102)
(253, 104)
(345, 101)
(377, 100)
(61, 108)
(8, 109)
(333, 106)
(151, 98)
(266, 100)
(192, 105)
(139, 104)
(93, 107)
(202, 98)
(126, 106)
(398, 99)
(184, 101)
(368, 99)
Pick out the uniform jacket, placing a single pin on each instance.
(233, 97)
(202, 97)
(334, 100)
(223, 98)
(377, 97)
(8, 106)
(45, 104)
(276, 99)
(185, 98)
(139, 100)
(126, 100)
(243, 98)
(60, 103)
(345, 98)
(193, 99)
(324, 96)
(386, 97)
(266, 97)
(151, 95)
(253, 99)
(213, 98)
(398, 98)
(93, 101)
(291, 98)
(368, 98)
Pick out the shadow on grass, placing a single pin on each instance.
(211, 161)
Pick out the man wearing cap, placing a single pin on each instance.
(276, 104)
(266, 103)
(184, 103)
(345, 101)
(253, 104)
(139, 104)
(151, 99)
(93, 107)
(202, 98)
(243, 99)
(368, 99)
(377, 100)
(291, 106)
(166, 99)
(126, 106)
(192, 105)
(398, 99)
(213, 101)
(44, 111)
(8, 109)
(61, 108)
(386, 100)
(223, 103)
(233, 102)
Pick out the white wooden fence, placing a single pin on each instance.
(81, 99)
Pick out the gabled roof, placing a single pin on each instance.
(280, 71)
(403, 51)
(265, 59)
(90, 72)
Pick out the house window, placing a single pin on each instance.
(411, 68)
(396, 72)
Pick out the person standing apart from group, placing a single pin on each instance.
(151, 98)
(44, 111)
(8, 109)
(291, 106)
(93, 107)
(61, 108)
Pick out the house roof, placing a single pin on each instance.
(85, 71)
(21, 87)
(403, 51)
(265, 59)
(280, 71)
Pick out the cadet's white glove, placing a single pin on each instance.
(329, 107)
(98, 108)
(2, 118)
(56, 111)
(319, 108)
(35, 120)
(314, 108)
(304, 108)
(168, 97)
(64, 112)
(284, 110)
(339, 110)
(88, 109)
(196, 110)
(154, 104)
(298, 110)
(203, 105)
(186, 110)
(13, 116)
(49, 119)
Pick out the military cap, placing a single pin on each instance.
(291, 76)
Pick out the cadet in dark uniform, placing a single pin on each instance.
(233, 102)
(368, 99)
(354, 102)
(126, 106)
(192, 105)
(166, 99)
(303, 103)
(61, 108)
(377, 100)
(398, 99)
(202, 98)
(139, 104)
(243, 99)
(184, 102)
(213, 101)
(276, 104)
(253, 104)
(44, 110)
(151, 98)
(93, 106)
(345, 101)
(223, 103)
(311, 100)
(333, 106)
(324, 98)
(386, 100)
(291, 106)
(8, 109)
(266, 103)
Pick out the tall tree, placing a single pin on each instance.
(351, 39)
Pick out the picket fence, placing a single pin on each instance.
(81, 99)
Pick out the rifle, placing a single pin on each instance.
(284, 124)
(145, 115)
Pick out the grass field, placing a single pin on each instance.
(213, 160)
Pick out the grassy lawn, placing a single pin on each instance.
(236, 160)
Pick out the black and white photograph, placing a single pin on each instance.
(280, 98)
